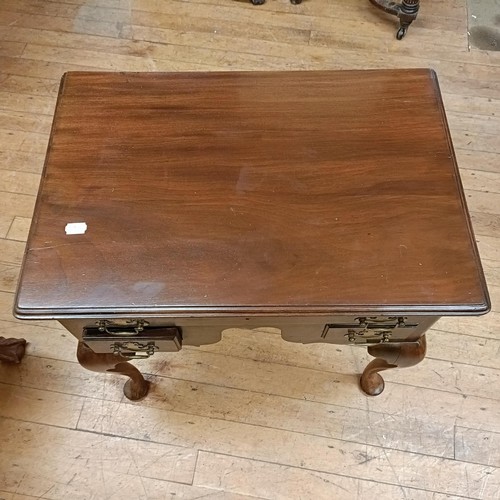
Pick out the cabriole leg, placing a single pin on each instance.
(135, 388)
(390, 356)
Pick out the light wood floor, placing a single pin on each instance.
(252, 416)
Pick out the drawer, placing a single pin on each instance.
(373, 330)
(135, 339)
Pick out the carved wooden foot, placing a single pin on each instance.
(135, 388)
(12, 350)
(390, 356)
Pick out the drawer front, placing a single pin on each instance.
(132, 338)
(374, 330)
(146, 336)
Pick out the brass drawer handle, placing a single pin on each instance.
(131, 343)
(134, 327)
(373, 330)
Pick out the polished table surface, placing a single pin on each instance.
(231, 193)
(303, 200)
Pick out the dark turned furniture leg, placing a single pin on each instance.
(407, 12)
(390, 356)
(135, 388)
(12, 350)
(262, 2)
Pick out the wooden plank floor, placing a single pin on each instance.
(252, 416)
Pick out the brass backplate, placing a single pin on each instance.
(136, 345)
(366, 331)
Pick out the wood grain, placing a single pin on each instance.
(321, 454)
(123, 464)
(292, 188)
(255, 478)
(19, 229)
(251, 378)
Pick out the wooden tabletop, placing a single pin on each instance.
(250, 193)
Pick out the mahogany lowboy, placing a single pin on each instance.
(173, 206)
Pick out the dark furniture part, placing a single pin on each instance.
(174, 206)
(12, 350)
(262, 2)
(406, 11)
